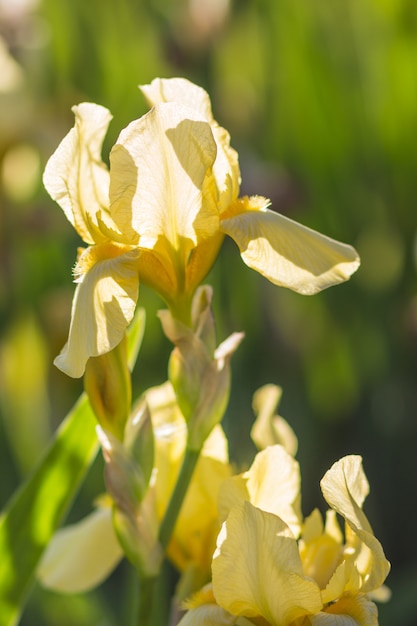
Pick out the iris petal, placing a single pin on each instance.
(82, 555)
(257, 569)
(345, 487)
(286, 253)
(161, 183)
(103, 305)
(76, 177)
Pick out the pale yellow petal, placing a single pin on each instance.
(82, 555)
(345, 578)
(208, 615)
(257, 570)
(161, 182)
(355, 610)
(226, 167)
(269, 428)
(197, 526)
(345, 487)
(274, 485)
(216, 445)
(321, 551)
(76, 177)
(232, 493)
(285, 252)
(178, 90)
(103, 305)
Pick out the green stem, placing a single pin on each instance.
(144, 608)
(185, 475)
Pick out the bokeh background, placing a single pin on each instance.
(321, 101)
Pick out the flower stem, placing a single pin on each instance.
(170, 518)
(144, 606)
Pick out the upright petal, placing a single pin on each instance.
(345, 487)
(226, 167)
(274, 485)
(76, 177)
(178, 90)
(257, 570)
(287, 253)
(103, 305)
(161, 183)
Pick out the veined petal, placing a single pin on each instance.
(257, 570)
(345, 487)
(103, 305)
(226, 167)
(76, 177)
(161, 182)
(82, 555)
(285, 252)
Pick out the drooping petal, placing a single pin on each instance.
(76, 177)
(345, 488)
(285, 252)
(257, 570)
(103, 305)
(161, 182)
(82, 555)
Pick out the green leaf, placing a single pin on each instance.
(40, 505)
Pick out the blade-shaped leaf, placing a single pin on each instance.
(40, 505)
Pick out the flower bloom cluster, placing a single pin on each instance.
(273, 568)
(159, 214)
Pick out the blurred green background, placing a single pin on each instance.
(321, 101)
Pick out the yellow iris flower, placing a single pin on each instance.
(273, 571)
(160, 213)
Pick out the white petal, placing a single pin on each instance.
(287, 253)
(82, 555)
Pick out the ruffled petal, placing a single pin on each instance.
(161, 182)
(82, 555)
(103, 305)
(286, 253)
(345, 488)
(178, 90)
(76, 177)
(257, 570)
